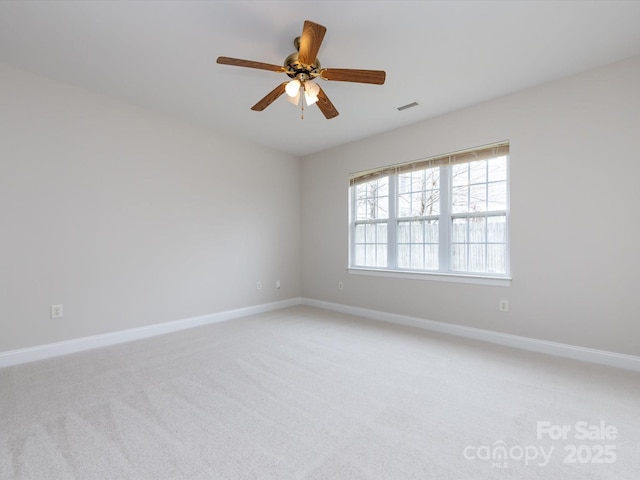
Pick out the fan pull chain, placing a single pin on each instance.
(301, 109)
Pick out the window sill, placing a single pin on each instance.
(434, 276)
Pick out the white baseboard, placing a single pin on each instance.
(41, 352)
(619, 360)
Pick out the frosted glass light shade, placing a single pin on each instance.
(293, 87)
(295, 99)
(311, 90)
(310, 99)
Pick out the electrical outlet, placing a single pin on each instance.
(57, 311)
(278, 284)
(340, 285)
(504, 305)
(259, 285)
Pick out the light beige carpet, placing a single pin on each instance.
(303, 393)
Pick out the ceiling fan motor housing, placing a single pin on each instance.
(296, 69)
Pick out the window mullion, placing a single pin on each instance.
(392, 225)
(352, 225)
(444, 223)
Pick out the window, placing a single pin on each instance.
(448, 214)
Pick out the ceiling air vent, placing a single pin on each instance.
(408, 105)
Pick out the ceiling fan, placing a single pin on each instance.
(303, 68)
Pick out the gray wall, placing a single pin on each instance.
(575, 260)
(130, 218)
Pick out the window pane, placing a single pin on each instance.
(370, 255)
(460, 174)
(381, 256)
(360, 234)
(404, 205)
(459, 257)
(433, 178)
(497, 196)
(419, 193)
(361, 209)
(498, 169)
(497, 229)
(370, 233)
(416, 180)
(382, 207)
(476, 258)
(460, 200)
(372, 199)
(431, 232)
(478, 172)
(459, 230)
(404, 232)
(478, 198)
(431, 257)
(381, 231)
(431, 191)
(404, 183)
(418, 202)
(417, 232)
(426, 203)
(433, 203)
(417, 257)
(404, 256)
(477, 230)
(496, 258)
(370, 209)
(414, 250)
(360, 256)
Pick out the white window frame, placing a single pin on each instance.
(445, 221)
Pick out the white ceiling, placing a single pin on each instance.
(445, 54)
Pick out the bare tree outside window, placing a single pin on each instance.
(372, 199)
(418, 210)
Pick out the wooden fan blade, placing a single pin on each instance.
(376, 77)
(269, 98)
(310, 41)
(248, 63)
(325, 105)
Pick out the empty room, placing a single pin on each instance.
(318, 240)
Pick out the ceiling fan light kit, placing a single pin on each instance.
(303, 67)
(293, 88)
